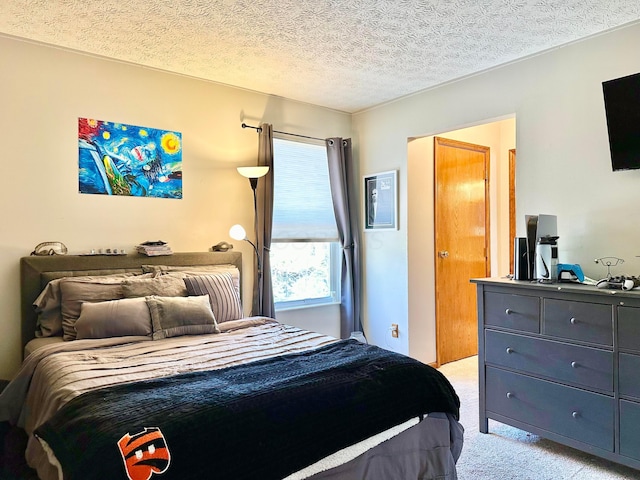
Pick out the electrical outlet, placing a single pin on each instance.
(394, 330)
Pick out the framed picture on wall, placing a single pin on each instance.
(119, 159)
(380, 201)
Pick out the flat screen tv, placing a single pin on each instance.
(622, 107)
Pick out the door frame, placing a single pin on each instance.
(512, 207)
(487, 227)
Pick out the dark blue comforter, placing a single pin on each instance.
(261, 420)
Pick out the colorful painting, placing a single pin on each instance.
(120, 159)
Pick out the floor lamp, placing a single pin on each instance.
(237, 232)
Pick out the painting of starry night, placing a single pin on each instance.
(119, 159)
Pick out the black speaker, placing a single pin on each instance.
(532, 239)
(520, 259)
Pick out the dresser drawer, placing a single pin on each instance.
(629, 431)
(629, 328)
(517, 312)
(587, 322)
(570, 412)
(574, 364)
(628, 378)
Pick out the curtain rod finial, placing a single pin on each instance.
(257, 129)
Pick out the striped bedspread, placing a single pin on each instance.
(265, 419)
(53, 375)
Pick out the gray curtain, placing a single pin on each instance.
(345, 205)
(263, 290)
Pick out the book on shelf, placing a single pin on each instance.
(154, 250)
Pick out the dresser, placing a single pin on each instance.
(562, 361)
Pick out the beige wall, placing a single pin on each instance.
(44, 90)
(563, 167)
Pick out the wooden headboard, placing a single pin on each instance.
(36, 272)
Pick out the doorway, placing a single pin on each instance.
(500, 135)
(462, 243)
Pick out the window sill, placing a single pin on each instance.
(305, 306)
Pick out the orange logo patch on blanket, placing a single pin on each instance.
(144, 453)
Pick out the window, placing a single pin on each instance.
(305, 252)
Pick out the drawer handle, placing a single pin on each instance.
(573, 320)
(575, 414)
(508, 311)
(574, 364)
(510, 350)
(510, 395)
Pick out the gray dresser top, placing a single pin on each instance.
(567, 287)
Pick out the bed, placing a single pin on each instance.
(138, 367)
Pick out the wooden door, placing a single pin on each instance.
(462, 243)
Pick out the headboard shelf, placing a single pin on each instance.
(37, 271)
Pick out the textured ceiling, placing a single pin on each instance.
(343, 54)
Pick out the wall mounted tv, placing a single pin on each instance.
(622, 107)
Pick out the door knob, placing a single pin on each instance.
(443, 254)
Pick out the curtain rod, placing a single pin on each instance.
(259, 129)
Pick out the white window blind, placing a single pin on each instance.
(302, 205)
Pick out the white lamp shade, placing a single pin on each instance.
(253, 172)
(237, 232)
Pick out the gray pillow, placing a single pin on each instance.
(169, 285)
(224, 298)
(191, 270)
(49, 302)
(175, 316)
(47, 307)
(115, 318)
(75, 291)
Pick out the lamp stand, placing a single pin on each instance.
(254, 185)
(253, 174)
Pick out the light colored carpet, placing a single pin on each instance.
(507, 453)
